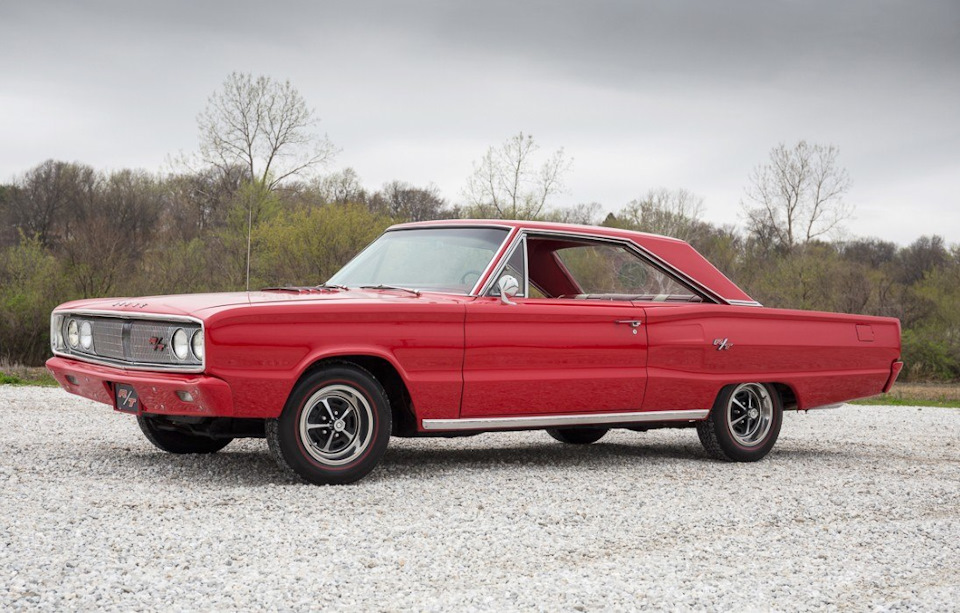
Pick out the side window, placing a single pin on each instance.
(612, 271)
(515, 267)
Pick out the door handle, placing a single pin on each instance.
(633, 323)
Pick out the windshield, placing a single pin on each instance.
(431, 259)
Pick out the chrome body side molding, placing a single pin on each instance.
(560, 421)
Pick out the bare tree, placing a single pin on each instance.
(403, 201)
(198, 201)
(507, 183)
(586, 213)
(673, 213)
(264, 126)
(341, 187)
(797, 196)
(110, 233)
(49, 196)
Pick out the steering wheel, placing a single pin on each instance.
(466, 276)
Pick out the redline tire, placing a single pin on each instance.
(744, 423)
(334, 428)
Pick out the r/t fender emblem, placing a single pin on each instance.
(722, 344)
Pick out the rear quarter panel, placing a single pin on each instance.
(824, 358)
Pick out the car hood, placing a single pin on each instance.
(198, 305)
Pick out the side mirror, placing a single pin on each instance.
(509, 287)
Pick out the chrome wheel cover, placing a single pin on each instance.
(749, 414)
(336, 425)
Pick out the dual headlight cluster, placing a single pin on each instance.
(182, 348)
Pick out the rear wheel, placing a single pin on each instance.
(577, 436)
(165, 436)
(334, 428)
(744, 423)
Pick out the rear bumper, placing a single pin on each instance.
(158, 392)
(895, 369)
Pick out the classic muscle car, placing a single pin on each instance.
(459, 327)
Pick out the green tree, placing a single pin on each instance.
(31, 285)
(307, 245)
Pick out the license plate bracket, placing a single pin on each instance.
(126, 398)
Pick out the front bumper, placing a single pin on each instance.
(158, 392)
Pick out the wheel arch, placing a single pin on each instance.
(786, 393)
(788, 397)
(384, 371)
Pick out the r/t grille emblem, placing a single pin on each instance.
(722, 344)
(157, 342)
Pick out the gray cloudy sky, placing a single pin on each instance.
(640, 94)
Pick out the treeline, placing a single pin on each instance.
(69, 231)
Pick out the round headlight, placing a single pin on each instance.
(86, 335)
(73, 334)
(196, 343)
(180, 344)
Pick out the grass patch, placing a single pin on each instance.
(16, 374)
(918, 394)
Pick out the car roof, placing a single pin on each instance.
(678, 254)
(536, 225)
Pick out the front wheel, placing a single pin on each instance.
(334, 428)
(577, 436)
(744, 423)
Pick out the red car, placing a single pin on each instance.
(458, 327)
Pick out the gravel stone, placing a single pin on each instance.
(856, 509)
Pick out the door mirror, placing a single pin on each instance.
(509, 287)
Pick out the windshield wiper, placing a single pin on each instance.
(332, 286)
(415, 292)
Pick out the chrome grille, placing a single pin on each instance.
(108, 338)
(141, 343)
(142, 350)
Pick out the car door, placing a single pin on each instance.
(549, 355)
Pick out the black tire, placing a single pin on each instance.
(334, 428)
(744, 423)
(578, 436)
(173, 441)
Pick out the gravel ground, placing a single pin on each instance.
(856, 509)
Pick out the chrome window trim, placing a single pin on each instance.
(550, 421)
(519, 242)
(124, 365)
(630, 245)
(747, 303)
